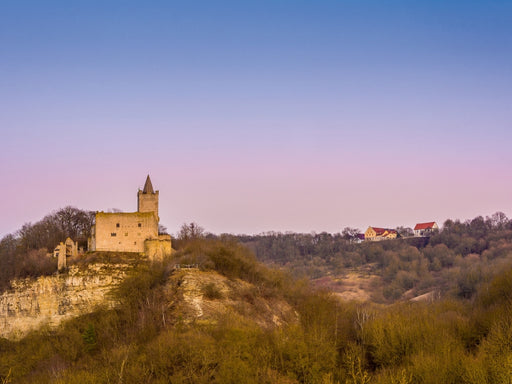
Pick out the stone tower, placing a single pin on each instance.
(147, 199)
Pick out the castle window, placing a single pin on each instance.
(117, 225)
(134, 243)
(113, 234)
(140, 225)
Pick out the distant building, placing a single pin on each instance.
(132, 231)
(377, 234)
(425, 229)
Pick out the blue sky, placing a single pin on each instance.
(253, 116)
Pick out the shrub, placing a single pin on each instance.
(211, 292)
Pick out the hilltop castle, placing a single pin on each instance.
(133, 231)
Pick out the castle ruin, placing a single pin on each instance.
(132, 231)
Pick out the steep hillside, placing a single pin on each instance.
(189, 294)
(67, 322)
(207, 296)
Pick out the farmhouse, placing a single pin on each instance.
(377, 234)
(425, 229)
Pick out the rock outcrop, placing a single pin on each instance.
(192, 296)
(206, 296)
(49, 300)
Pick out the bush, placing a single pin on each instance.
(211, 292)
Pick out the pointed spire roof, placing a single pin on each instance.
(148, 187)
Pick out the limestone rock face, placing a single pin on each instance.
(49, 300)
(199, 296)
(192, 296)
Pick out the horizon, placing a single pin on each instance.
(258, 117)
(362, 229)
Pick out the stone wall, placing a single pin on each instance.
(159, 248)
(49, 300)
(124, 232)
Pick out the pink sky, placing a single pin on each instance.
(249, 196)
(259, 116)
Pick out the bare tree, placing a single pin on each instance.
(349, 233)
(190, 231)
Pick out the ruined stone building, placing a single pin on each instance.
(132, 231)
(64, 250)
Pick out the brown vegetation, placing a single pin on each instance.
(25, 253)
(463, 337)
(453, 262)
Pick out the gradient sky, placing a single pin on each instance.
(253, 116)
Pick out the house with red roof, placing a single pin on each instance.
(377, 234)
(425, 229)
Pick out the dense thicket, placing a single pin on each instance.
(454, 261)
(447, 341)
(25, 253)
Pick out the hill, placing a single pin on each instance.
(451, 263)
(192, 292)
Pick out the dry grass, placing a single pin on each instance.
(358, 284)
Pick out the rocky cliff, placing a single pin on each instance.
(49, 300)
(206, 296)
(192, 295)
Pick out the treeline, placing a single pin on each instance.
(448, 341)
(454, 261)
(24, 253)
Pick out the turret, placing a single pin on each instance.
(147, 199)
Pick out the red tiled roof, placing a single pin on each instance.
(380, 231)
(420, 226)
